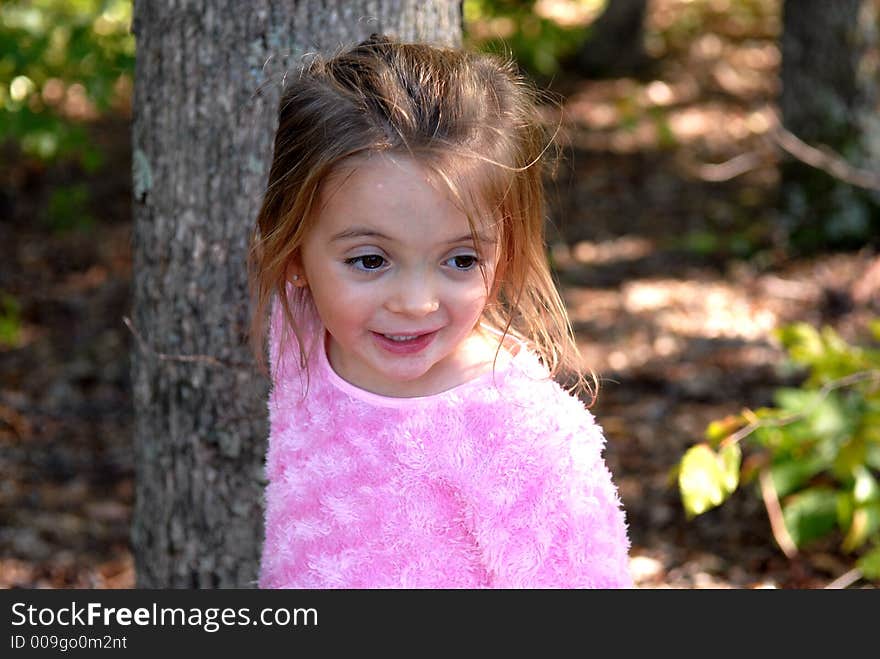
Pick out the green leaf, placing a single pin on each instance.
(872, 456)
(865, 522)
(803, 342)
(869, 564)
(67, 209)
(789, 475)
(701, 242)
(823, 417)
(845, 508)
(865, 488)
(829, 418)
(704, 478)
(810, 514)
(721, 428)
(731, 458)
(10, 320)
(834, 342)
(795, 401)
(850, 460)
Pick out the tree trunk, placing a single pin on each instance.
(831, 98)
(615, 45)
(202, 140)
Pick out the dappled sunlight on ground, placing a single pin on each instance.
(645, 235)
(677, 352)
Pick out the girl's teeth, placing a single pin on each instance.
(400, 337)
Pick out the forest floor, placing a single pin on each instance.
(674, 285)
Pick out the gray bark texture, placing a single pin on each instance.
(207, 82)
(831, 98)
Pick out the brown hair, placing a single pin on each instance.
(469, 117)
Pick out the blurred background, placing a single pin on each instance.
(711, 261)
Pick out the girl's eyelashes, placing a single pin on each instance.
(375, 262)
(366, 263)
(463, 262)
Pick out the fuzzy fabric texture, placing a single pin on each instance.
(496, 483)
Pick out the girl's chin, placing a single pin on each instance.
(405, 378)
(411, 381)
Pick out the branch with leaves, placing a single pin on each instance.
(818, 451)
(754, 423)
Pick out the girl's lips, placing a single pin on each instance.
(408, 347)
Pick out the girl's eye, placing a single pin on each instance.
(463, 262)
(366, 262)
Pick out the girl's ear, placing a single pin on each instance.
(295, 273)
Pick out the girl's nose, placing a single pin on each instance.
(416, 297)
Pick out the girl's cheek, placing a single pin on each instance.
(352, 294)
(472, 308)
(477, 293)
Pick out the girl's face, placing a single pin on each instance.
(395, 276)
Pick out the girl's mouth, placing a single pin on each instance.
(404, 344)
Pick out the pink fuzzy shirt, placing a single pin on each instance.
(496, 483)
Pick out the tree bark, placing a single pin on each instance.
(615, 45)
(831, 98)
(202, 140)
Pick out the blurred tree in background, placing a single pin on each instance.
(829, 94)
(65, 61)
(61, 61)
(615, 45)
(591, 37)
(831, 98)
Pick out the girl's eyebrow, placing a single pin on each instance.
(364, 232)
(481, 238)
(359, 232)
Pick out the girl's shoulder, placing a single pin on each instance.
(528, 383)
(527, 379)
(527, 407)
(532, 439)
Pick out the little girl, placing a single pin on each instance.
(417, 437)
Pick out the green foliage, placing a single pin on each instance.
(10, 321)
(745, 240)
(820, 444)
(538, 44)
(810, 514)
(869, 564)
(707, 478)
(56, 58)
(67, 209)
